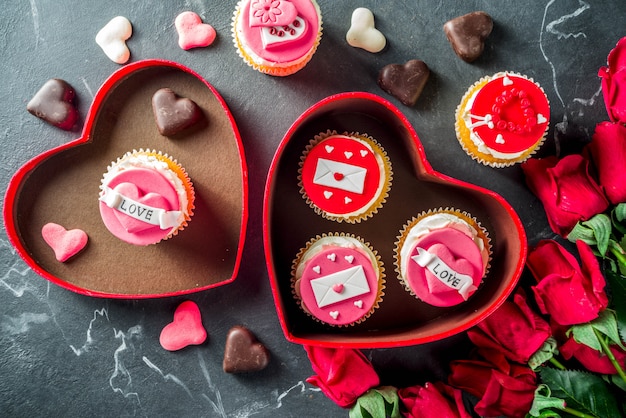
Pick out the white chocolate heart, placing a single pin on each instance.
(363, 34)
(112, 39)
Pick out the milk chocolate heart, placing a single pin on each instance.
(406, 81)
(467, 34)
(243, 352)
(174, 114)
(186, 328)
(54, 103)
(401, 319)
(63, 184)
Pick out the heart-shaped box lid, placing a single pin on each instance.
(62, 185)
(401, 319)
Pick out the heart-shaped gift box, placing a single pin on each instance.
(401, 319)
(61, 186)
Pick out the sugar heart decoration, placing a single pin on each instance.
(112, 39)
(132, 192)
(406, 81)
(243, 352)
(459, 265)
(467, 34)
(363, 33)
(54, 103)
(192, 32)
(186, 328)
(272, 13)
(174, 114)
(65, 243)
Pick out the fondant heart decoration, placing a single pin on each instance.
(363, 33)
(467, 34)
(406, 81)
(174, 114)
(186, 328)
(243, 352)
(64, 243)
(63, 184)
(192, 32)
(54, 103)
(152, 200)
(270, 13)
(416, 188)
(455, 267)
(112, 39)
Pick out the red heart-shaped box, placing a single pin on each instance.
(62, 186)
(401, 319)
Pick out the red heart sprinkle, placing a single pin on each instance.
(338, 287)
(338, 176)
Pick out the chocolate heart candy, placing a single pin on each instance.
(404, 82)
(54, 103)
(467, 34)
(243, 353)
(174, 114)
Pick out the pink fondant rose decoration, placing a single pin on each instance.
(566, 189)
(569, 293)
(436, 400)
(514, 329)
(343, 374)
(614, 83)
(503, 388)
(608, 150)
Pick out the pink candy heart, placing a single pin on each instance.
(186, 328)
(64, 243)
(131, 191)
(192, 33)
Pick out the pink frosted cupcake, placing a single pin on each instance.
(277, 37)
(442, 256)
(338, 279)
(146, 197)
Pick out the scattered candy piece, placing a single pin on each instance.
(363, 34)
(174, 114)
(186, 328)
(112, 39)
(54, 103)
(65, 243)
(243, 352)
(404, 81)
(192, 33)
(467, 34)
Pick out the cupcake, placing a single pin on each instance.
(338, 279)
(502, 119)
(277, 37)
(345, 177)
(441, 256)
(145, 197)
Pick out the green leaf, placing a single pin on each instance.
(620, 212)
(601, 226)
(583, 334)
(543, 400)
(605, 323)
(617, 284)
(378, 402)
(582, 233)
(545, 353)
(581, 391)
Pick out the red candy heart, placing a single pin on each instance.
(65, 243)
(185, 330)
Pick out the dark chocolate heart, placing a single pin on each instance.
(243, 352)
(174, 114)
(54, 103)
(404, 82)
(467, 34)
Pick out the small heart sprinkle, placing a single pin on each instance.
(499, 139)
(338, 287)
(316, 269)
(363, 152)
(541, 118)
(349, 258)
(347, 200)
(348, 154)
(358, 303)
(112, 39)
(338, 176)
(506, 81)
(332, 256)
(329, 148)
(334, 314)
(328, 194)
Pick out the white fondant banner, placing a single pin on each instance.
(352, 282)
(350, 178)
(154, 216)
(446, 274)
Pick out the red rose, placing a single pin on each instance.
(614, 83)
(608, 150)
(566, 190)
(503, 388)
(436, 400)
(593, 360)
(343, 374)
(513, 329)
(569, 293)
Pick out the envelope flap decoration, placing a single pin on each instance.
(339, 286)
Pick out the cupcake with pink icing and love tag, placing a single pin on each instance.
(338, 279)
(442, 256)
(146, 197)
(277, 37)
(502, 119)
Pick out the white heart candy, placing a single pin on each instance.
(499, 139)
(347, 200)
(541, 118)
(328, 194)
(348, 154)
(349, 258)
(506, 81)
(358, 303)
(112, 39)
(332, 256)
(363, 152)
(363, 34)
(329, 148)
(316, 269)
(334, 314)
